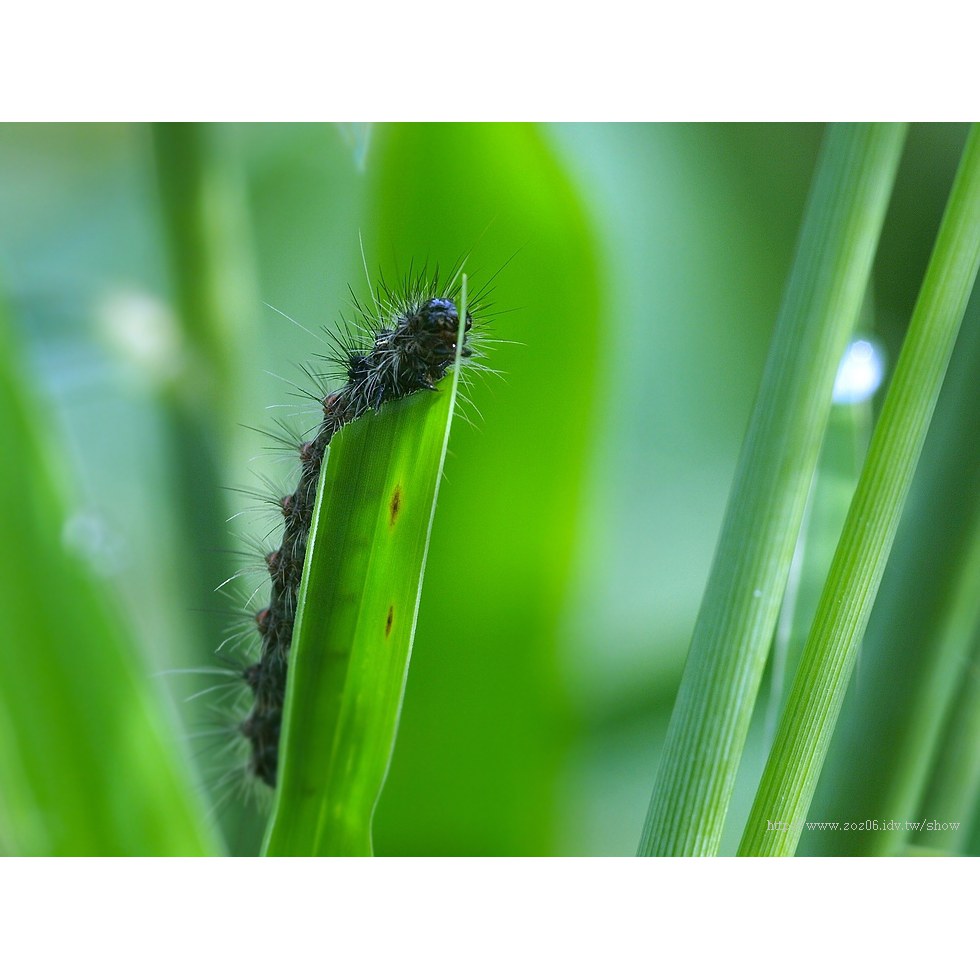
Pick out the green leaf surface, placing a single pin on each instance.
(89, 760)
(808, 723)
(735, 625)
(848, 430)
(356, 621)
(951, 794)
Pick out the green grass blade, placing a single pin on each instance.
(356, 621)
(937, 760)
(950, 801)
(808, 723)
(845, 444)
(205, 224)
(206, 229)
(884, 740)
(953, 790)
(842, 454)
(738, 614)
(89, 763)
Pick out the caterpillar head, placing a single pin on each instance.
(439, 316)
(435, 324)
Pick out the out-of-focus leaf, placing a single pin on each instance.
(484, 731)
(88, 757)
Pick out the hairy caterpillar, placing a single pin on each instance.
(402, 344)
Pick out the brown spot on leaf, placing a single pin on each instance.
(391, 616)
(396, 504)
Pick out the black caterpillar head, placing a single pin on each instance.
(435, 326)
(438, 316)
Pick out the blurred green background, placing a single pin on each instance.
(638, 270)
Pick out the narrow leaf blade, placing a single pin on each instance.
(356, 621)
